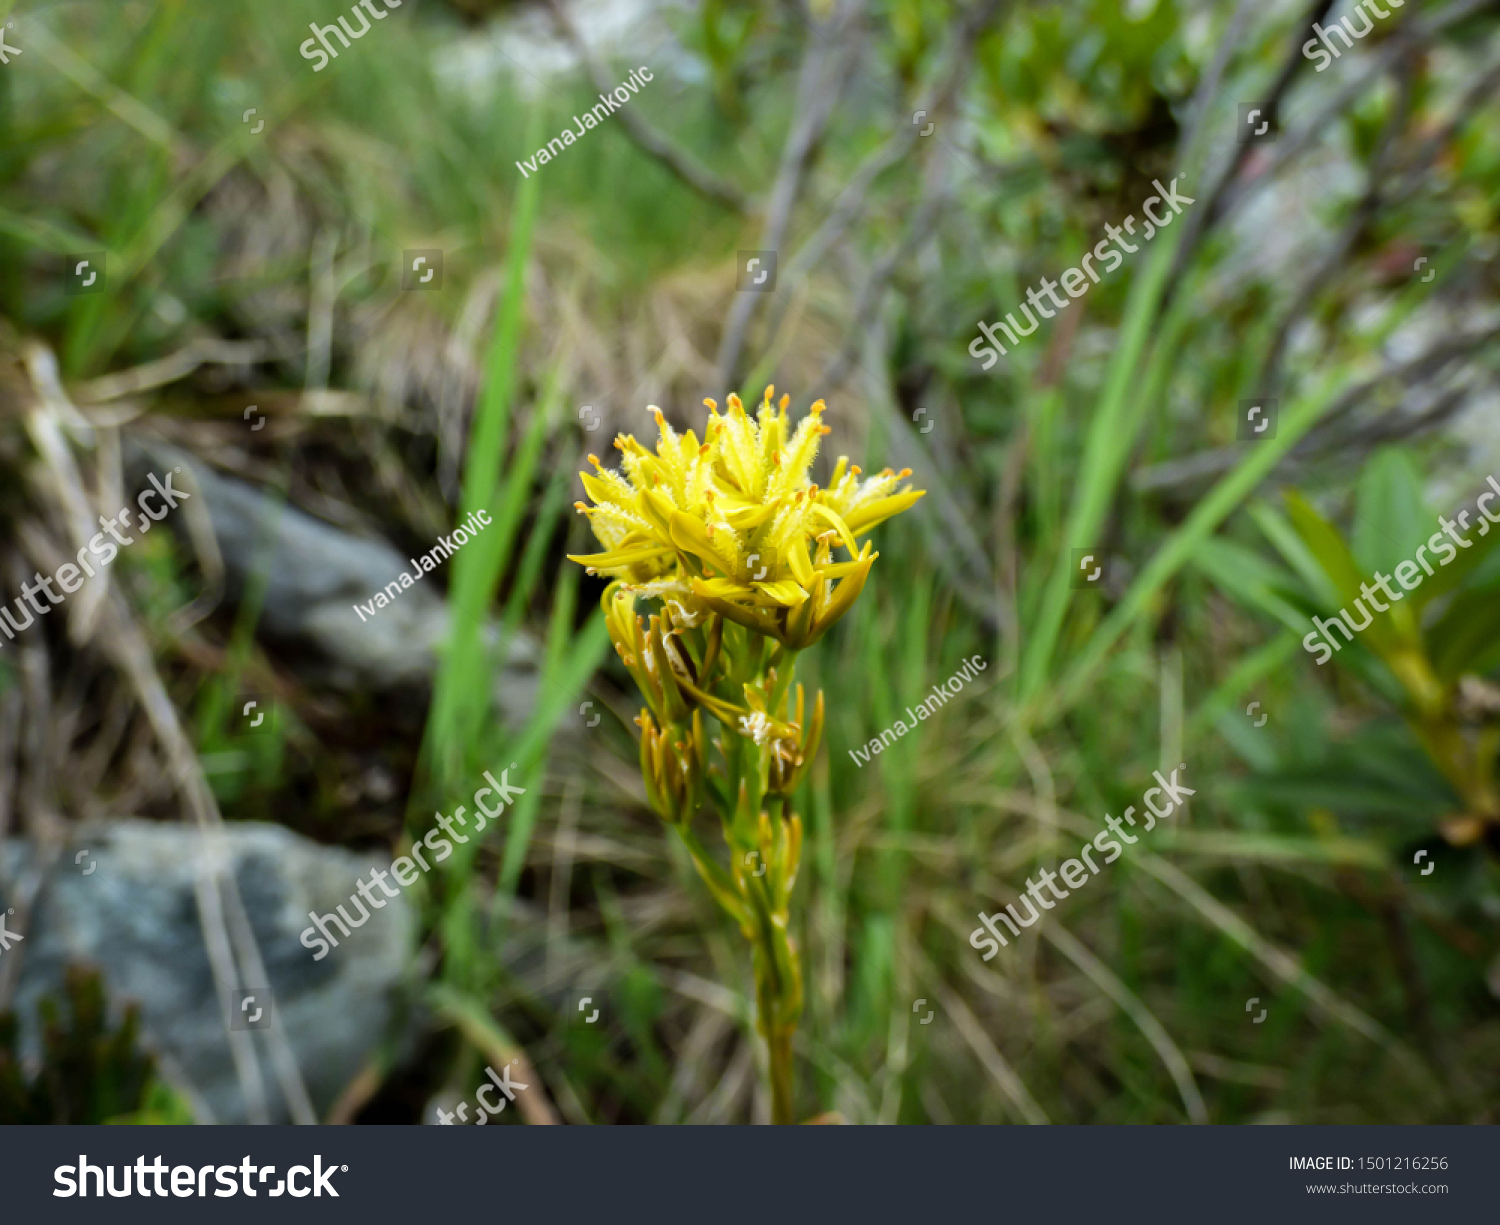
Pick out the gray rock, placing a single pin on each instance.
(317, 573)
(135, 917)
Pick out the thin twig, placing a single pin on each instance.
(1323, 272)
(1155, 1032)
(679, 161)
(825, 70)
(1205, 465)
(1279, 962)
(1208, 87)
(1412, 35)
(125, 645)
(169, 369)
(933, 195)
(1483, 87)
(1011, 1085)
(855, 196)
(1200, 220)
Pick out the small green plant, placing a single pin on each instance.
(737, 545)
(88, 1074)
(1437, 637)
(1427, 649)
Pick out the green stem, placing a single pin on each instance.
(778, 997)
(785, 663)
(781, 1077)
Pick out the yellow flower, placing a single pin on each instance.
(735, 526)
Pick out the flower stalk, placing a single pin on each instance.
(738, 549)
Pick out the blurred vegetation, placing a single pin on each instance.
(608, 280)
(88, 1073)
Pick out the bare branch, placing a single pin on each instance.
(851, 201)
(1179, 474)
(1324, 272)
(825, 69)
(679, 161)
(169, 369)
(1412, 35)
(1200, 220)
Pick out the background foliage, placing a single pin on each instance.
(608, 280)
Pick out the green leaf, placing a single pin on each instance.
(1249, 579)
(1283, 537)
(1390, 519)
(1326, 545)
(1201, 523)
(1467, 636)
(1384, 634)
(1451, 575)
(1132, 386)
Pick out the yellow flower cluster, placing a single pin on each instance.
(737, 543)
(735, 526)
